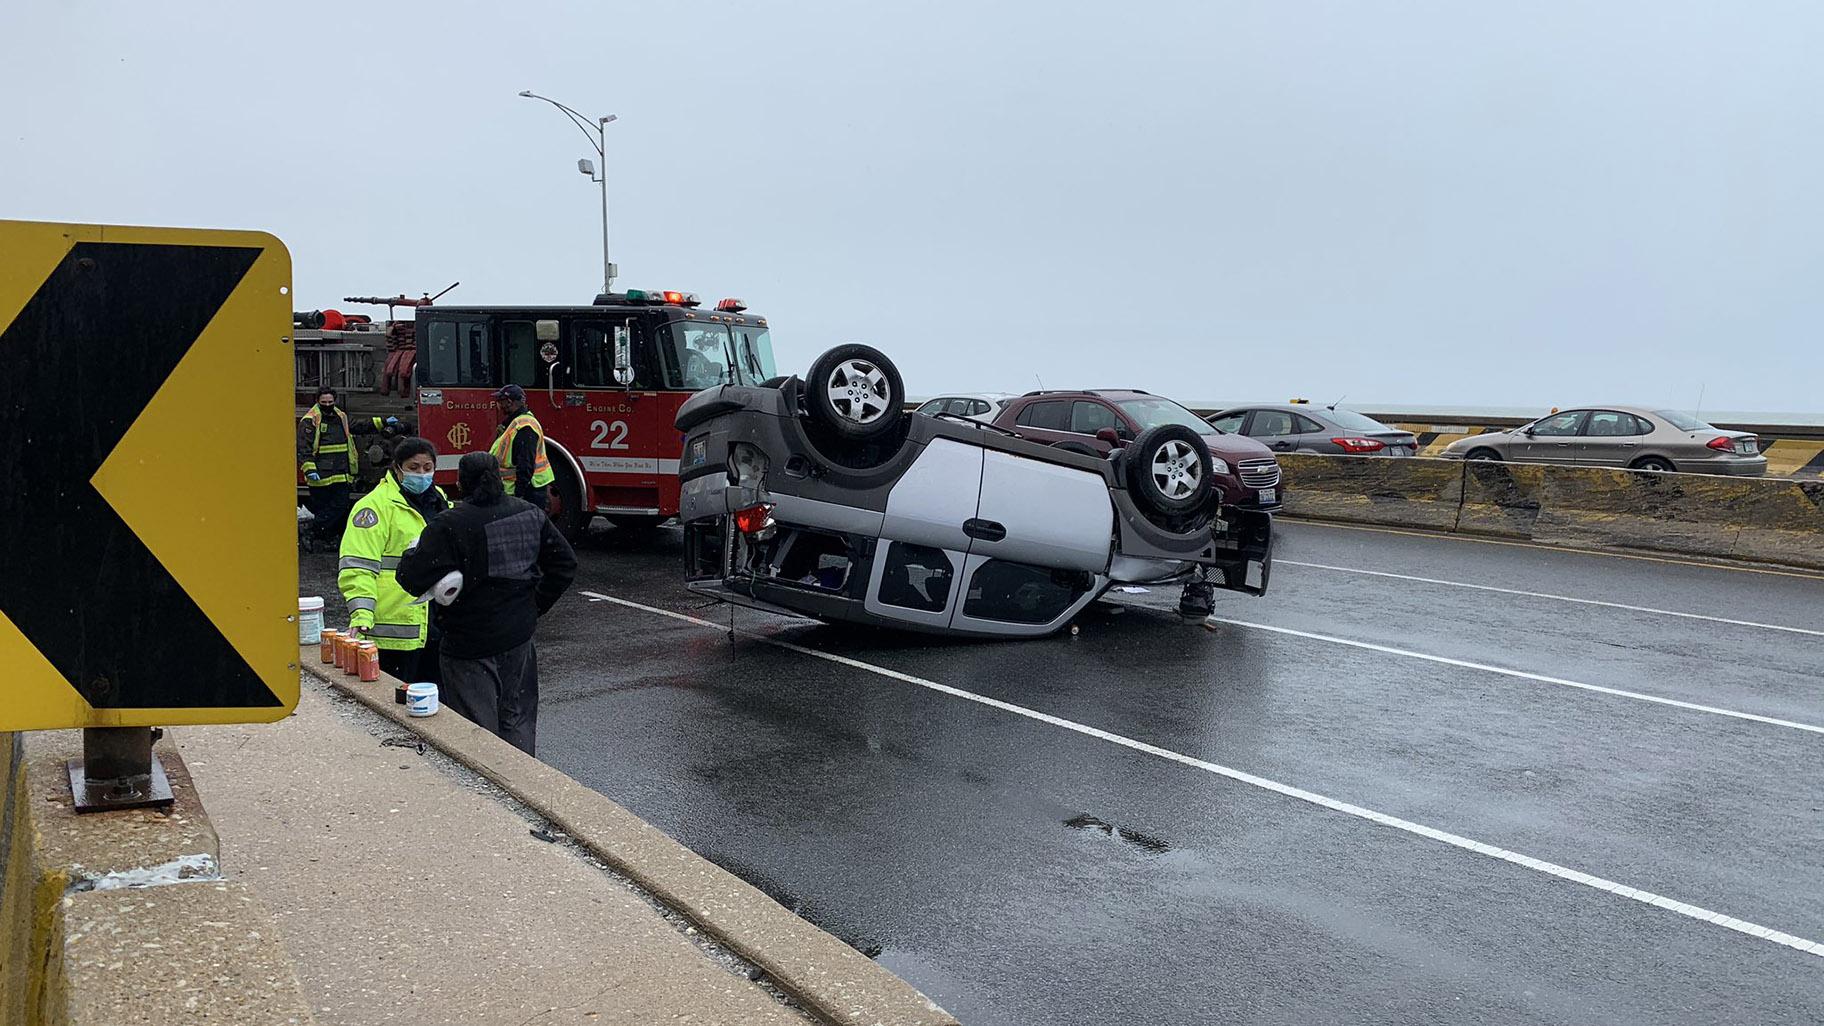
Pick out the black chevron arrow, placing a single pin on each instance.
(83, 358)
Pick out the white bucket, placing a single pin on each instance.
(310, 620)
(421, 699)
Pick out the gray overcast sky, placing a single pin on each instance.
(1526, 204)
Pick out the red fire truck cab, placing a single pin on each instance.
(604, 380)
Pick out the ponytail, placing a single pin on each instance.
(478, 475)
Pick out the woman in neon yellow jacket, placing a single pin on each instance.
(381, 526)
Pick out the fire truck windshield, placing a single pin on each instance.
(703, 354)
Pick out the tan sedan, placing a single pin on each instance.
(1620, 436)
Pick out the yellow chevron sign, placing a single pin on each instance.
(151, 569)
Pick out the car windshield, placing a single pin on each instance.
(1153, 411)
(1349, 420)
(1683, 421)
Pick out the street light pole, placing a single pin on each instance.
(600, 141)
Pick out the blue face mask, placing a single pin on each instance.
(415, 483)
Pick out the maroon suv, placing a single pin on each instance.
(1095, 422)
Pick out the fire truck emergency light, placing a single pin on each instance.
(731, 306)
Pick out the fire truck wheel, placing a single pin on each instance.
(567, 510)
(855, 392)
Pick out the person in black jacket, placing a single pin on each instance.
(515, 564)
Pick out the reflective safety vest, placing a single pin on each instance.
(330, 459)
(380, 527)
(503, 453)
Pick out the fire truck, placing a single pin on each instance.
(604, 380)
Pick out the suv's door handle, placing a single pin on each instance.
(984, 530)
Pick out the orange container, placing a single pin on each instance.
(341, 647)
(351, 655)
(327, 650)
(370, 661)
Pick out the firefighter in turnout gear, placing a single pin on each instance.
(386, 522)
(329, 461)
(520, 449)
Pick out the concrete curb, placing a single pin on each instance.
(826, 976)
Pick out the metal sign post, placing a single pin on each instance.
(118, 771)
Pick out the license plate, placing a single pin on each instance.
(1268, 496)
(1402, 450)
(1747, 448)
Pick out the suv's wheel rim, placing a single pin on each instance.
(1176, 469)
(858, 391)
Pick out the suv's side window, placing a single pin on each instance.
(1230, 424)
(1559, 426)
(1270, 423)
(932, 407)
(957, 407)
(1087, 418)
(1051, 416)
(977, 407)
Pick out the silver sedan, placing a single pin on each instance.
(1620, 436)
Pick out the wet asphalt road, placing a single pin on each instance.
(1023, 870)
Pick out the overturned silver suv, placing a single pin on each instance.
(821, 497)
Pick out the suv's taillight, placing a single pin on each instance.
(1360, 444)
(755, 521)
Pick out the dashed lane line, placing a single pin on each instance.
(1522, 675)
(1548, 595)
(1699, 913)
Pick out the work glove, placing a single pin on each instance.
(392, 422)
(312, 476)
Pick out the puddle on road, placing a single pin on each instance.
(1145, 842)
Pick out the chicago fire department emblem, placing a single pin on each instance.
(459, 436)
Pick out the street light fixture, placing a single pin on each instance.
(598, 139)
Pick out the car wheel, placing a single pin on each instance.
(1077, 447)
(855, 392)
(1168, 470)
(1655, 464)
(1484, 454)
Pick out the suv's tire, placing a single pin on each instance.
(1168, 470)
(855, 392)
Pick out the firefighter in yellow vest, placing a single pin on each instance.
(520, 449)
(329, 461)
(386, 522)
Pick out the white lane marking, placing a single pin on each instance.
(1547, 595)
(1702, 915)
(1522, 674)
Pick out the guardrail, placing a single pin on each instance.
(1763, 520)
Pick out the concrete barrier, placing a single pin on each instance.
(122, 916)
(1402, 493)
(1766, 520)
(1785, 525)
(1685, 513)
